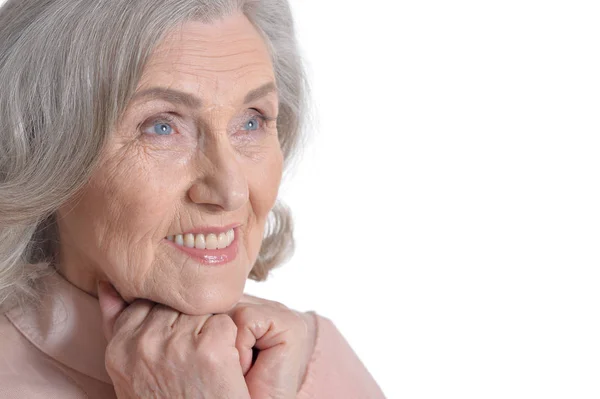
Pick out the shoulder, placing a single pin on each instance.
(329, 343)
(334, 369)
(27, 372)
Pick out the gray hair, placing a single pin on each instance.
(68, 68)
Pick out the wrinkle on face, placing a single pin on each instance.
(209, 172)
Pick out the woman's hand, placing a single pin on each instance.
(156, 352)
(285, 340)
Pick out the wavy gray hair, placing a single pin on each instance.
(67, 71)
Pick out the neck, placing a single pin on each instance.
(76, 270)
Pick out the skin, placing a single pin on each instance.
(154, 349)
(211, 169)
(207, 172)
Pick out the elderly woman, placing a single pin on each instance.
(140, 162)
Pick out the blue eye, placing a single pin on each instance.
(162, 128)
(252, 124)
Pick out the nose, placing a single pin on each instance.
(222, 184)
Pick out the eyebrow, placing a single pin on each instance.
(179, 97)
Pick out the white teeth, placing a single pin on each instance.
(179, 239)
(189, 240)
(223, 241)
(200, 241)
(211, 241)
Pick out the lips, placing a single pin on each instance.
(209, 257)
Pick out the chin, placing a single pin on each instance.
(209, 300)
(208, 307)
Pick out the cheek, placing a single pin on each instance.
(137, 196)
(125, 209)
(264, 181)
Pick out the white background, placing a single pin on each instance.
(448, 205)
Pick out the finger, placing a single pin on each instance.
(286, 379)
(186, 322)
(219, 327)
(246, 339)
(161, 317)
(111, 306)
(262, 331)
(269, 326)
(244, 343)
(117, 313)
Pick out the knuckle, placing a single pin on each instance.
(121, 320)
(221, 322)
(163, 330)
(139, 305)
(242, 314)
(143, 346)
(176, 349)
(219, 331)
(209, 355)
(215, 356)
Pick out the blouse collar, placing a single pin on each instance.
(66, 325)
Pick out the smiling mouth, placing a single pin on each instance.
(215, 250)
(204, 241)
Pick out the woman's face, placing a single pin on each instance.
(197, 153)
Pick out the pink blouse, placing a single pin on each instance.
(56, 351)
